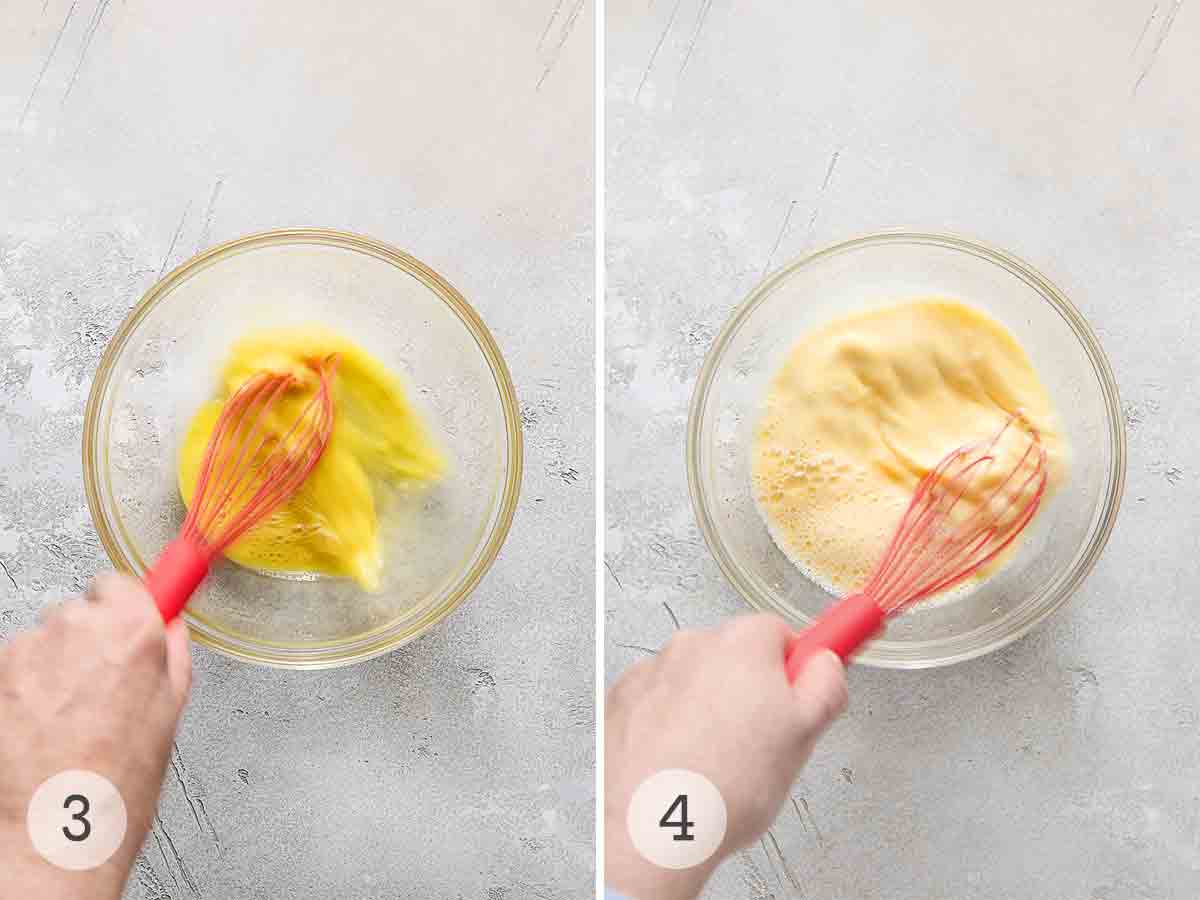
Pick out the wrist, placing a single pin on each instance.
(634, 876)
(48, 883)
(26, 873)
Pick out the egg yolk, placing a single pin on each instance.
(330, 526)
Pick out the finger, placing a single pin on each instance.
(759, 634)
(114, 589)
(820, 692)
(630, 683)
(62, 611)
(124, 599)
(683, 644)
(179, 661)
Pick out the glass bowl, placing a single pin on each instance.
(1065, 539)
(162, 364)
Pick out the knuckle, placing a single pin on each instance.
(757, 627)
(826, 709)
(627, 687)
(839, 701)
(18, 660)
(130, 606)
(756, 623)
(680, 645)
(187, 678)
(14, 651)
(148, 633)
(131, 636)
(119, 590)
(64, 617)
(73, 613)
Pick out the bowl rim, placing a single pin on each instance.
(377, 641)
(1113, 490)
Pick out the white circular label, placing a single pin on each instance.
(77, 820)
(676, 819)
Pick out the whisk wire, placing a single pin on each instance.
(232, 465)
(236, 499)
(995, 536)
(929, 552)
(289, 473)
(189, 528)
(238, 485)
(929, 527)
(289, 462)
(247, 472)
(917, 517)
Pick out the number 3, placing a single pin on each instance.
(78, 817)
(683, 823)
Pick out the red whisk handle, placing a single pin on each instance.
(842, 628)
(175, 576)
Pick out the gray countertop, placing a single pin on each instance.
(741, 135)
(133, 134)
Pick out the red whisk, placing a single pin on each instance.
(248, 472)
(956, 523)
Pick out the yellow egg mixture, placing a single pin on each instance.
(864, 407)
(330, 525)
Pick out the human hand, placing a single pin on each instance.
(717, 703)
(100, 686)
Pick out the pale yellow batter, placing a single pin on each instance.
(865, 406)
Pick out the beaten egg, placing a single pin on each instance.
(863, 407)
(331, 525)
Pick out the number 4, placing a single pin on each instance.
(682, 823)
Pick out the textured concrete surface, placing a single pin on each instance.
(742, 135)
(133, 134)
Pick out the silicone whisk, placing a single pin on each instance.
(248, 471)
(962, 515)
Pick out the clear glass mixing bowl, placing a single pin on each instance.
(1065, 539)
(162, 364)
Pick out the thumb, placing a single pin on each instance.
(820, 692)
(179, 661)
